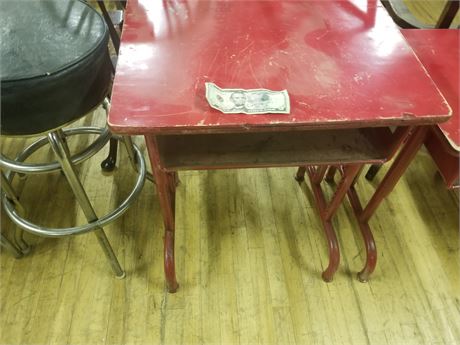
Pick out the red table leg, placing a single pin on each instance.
(333, 245)
(326, 211)
(399, 166)
(368, 238)
(371, 250)
(348, 178)
(166, 184)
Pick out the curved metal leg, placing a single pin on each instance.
(166, 193)
(334, 252)
(327, 210)
(61, 150)
(332, 242)
(368, 238)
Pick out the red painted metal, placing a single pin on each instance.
(318, 176)
(331, 237)
(165, 185)
(343, 68)
(340, 69)
(327, 209)
(395, 172)
(438, 51)
(368, 238)
(349, 174)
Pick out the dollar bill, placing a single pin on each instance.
(251, 101)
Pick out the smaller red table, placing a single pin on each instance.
(438, 51)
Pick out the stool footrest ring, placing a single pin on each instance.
(88, 152)
(100, 222)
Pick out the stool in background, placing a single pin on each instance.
(53, 72)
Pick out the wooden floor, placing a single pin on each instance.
(428, 11)
(250, 251)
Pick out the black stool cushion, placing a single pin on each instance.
(55, 65)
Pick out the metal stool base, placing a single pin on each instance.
(66, 162)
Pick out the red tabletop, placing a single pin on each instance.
(341, 67)
(438, 50)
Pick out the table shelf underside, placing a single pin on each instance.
(270, 149)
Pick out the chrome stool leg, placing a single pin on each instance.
(128, 142)
(21, 244)
(61, 150)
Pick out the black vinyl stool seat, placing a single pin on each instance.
(54, 72)
(55, 68)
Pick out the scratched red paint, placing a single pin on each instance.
(438, 51)
(341, 66)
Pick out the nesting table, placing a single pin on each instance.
(438, 51)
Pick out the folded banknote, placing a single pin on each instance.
(250, 101)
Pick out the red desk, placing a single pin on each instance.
(438, 51)
(344, 73)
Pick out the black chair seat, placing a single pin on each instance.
(55, 65)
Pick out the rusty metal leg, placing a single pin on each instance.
(330, 174)
(164, 183)
(333, 246)
(300, 175)
(399, 166)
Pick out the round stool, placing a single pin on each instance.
(55, 69)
